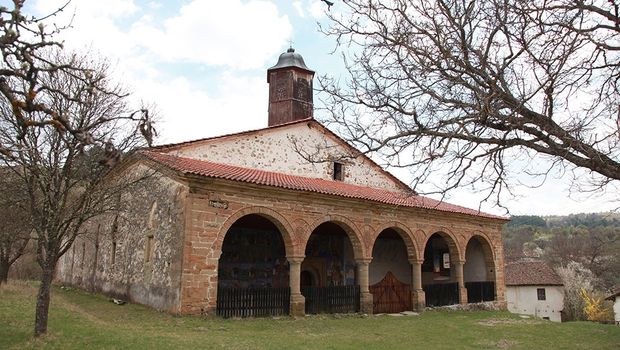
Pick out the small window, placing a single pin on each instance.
(541, 294)
(338, 173)
(148, 250)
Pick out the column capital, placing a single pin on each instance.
(363, 261)
(416, 261)
(459, 262)
(297, 259)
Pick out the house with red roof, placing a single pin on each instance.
(288, 219)
(533, 288)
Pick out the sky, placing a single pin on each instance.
(201, 64)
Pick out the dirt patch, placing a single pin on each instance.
(505, 344)
(491, 322)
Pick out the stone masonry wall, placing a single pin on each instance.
(273, 150)
(152, 216)
(214, 205)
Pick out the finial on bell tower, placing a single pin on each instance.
(290, 89)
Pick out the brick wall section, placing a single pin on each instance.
(213, 206)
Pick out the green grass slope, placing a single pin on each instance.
(79, 320)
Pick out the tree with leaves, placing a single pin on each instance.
(64, 126)
(483, 91)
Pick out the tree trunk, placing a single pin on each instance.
(43, 302)
(4, 270)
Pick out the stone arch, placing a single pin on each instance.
(277, 219)
(484, 238)
(348, 226)
(487, 250)
(405, 234)
(456, 253)
(480, 270)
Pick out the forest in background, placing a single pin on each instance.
(584, 249)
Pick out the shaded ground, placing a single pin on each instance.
(80, 320)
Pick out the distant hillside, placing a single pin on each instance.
(590, 240)
(589, 220)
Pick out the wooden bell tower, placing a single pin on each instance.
(290, 89)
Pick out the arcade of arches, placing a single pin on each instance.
(398, 271)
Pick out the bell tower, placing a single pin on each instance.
(290, 89)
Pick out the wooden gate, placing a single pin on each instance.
(390, 295)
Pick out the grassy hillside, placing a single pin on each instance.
(79, 320)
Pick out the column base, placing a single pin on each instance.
(418, 300)
(463, 295)
(366, 303)
(298, 305)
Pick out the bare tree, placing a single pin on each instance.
(25, 43)
(15, 228)
(482, 90)
(70, 180)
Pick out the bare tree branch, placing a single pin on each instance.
(481, 90)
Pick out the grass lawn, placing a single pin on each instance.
(79, 320)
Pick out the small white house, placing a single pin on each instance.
(616, 299)
(533, 288)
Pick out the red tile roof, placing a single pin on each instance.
(613, 295)
(299, 183)
(530, 273)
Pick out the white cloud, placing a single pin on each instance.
(317, 9)
(228, 33)
(190, 113)
(299, 8)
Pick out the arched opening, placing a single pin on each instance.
(253, 272)
(330, 261)
(390, 274)
(438, 274)
(479, 271)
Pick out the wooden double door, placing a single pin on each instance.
(390, 295)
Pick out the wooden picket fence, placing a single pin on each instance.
(253, 302)
(441, 294)
(337, 299)
(480, 291)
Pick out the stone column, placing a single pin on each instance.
(298, 302)
(366, 305)
(458, 271)
(418, 298)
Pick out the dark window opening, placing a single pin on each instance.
(148, 251)
(113, 253)
(338, 171)
(541, 294)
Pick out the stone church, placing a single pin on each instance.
(247, 224)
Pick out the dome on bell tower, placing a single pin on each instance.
(289, 59)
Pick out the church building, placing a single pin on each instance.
(288, 219)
